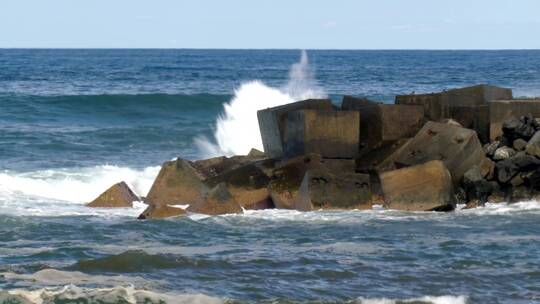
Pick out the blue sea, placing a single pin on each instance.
(74, 122)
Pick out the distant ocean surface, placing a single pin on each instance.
(73, 122)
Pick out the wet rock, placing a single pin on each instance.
(161, 211)
(422, 187)
(218, 201)
(503, 153)
(519, 193)
(322, 189)
(519, 144)
(533, 146)
(476, 187)
(118, 195)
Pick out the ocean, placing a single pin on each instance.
(74, 122)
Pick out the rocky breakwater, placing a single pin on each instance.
(426, 152)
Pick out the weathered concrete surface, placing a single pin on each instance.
(422, 187)
(323, 189)
(161, 211)
(118, 195)
(381, 124)
(475, 117)
(332, 134)
(248, 184)
(271, 123)
(218, 201)
(502, 110)
(215, 166)
(178, 182)
(458, 148)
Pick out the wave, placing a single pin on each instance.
(237, 129)
(119, 294)
(57, 192)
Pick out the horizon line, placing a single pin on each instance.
(268, 49)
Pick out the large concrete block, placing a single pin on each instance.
(475, 117)
(424, 187)
(501, 110)
(355, 103)
(437, 104)
(332, 134)
(458, 148)
(271, 123)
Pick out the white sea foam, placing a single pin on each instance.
(237, 129)
(119, 294)
(426, 299)
(64, 191)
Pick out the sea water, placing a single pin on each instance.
(74, 122)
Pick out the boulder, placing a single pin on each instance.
(118, 195)
(272, 123)
(503, 153)
(217, 202)
(514, 128)
(322, 189)
(502, 110)
(519, 144)
(161, 211)
(458, 148)
(215, 166)
(381, 124)
(533, 146)
(332, 134)
(424, 187)
(476, 187)
(490, 148)
(178, 182)
(248, 184)
(521, 162)
(487, 168)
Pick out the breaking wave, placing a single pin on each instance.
(237, 129)
(56, 192)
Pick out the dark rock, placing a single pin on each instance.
(519, 193)
(460, 196)
(476, 187)
(422, 187)
(506, 170)
(517, 181)
(519, 144)
(322, 189)
(492, 147)
(118, 195)
(502, 110)
(514, 128)
(525, 162)
(533, 146)
(503, 153)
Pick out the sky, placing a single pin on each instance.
(276, 24)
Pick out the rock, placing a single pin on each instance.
(218, 201)
(525, 162)
(381, 124)
(487, 168)
(536, 123)
(519, 144)
(118, 195)
(533, 146)
(272, 123)
(506, 170)
(424, 187)
(161, 211)
(514, 128)
(517, 181)
(332, 134)
(458, 148)
(492, 147)
(450, 121)
(321, 189)
(178, 182)
(501, 110)
(519, 193)
(503, 153)
(476, 187)
(215, 166)
(474, 204)
(247, 184)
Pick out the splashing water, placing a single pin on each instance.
(237, 129)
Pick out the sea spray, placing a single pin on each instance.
(237, 129)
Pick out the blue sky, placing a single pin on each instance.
(338, 24)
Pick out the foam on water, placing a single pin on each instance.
(240, 114)
(57, 192)
(421, 300)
